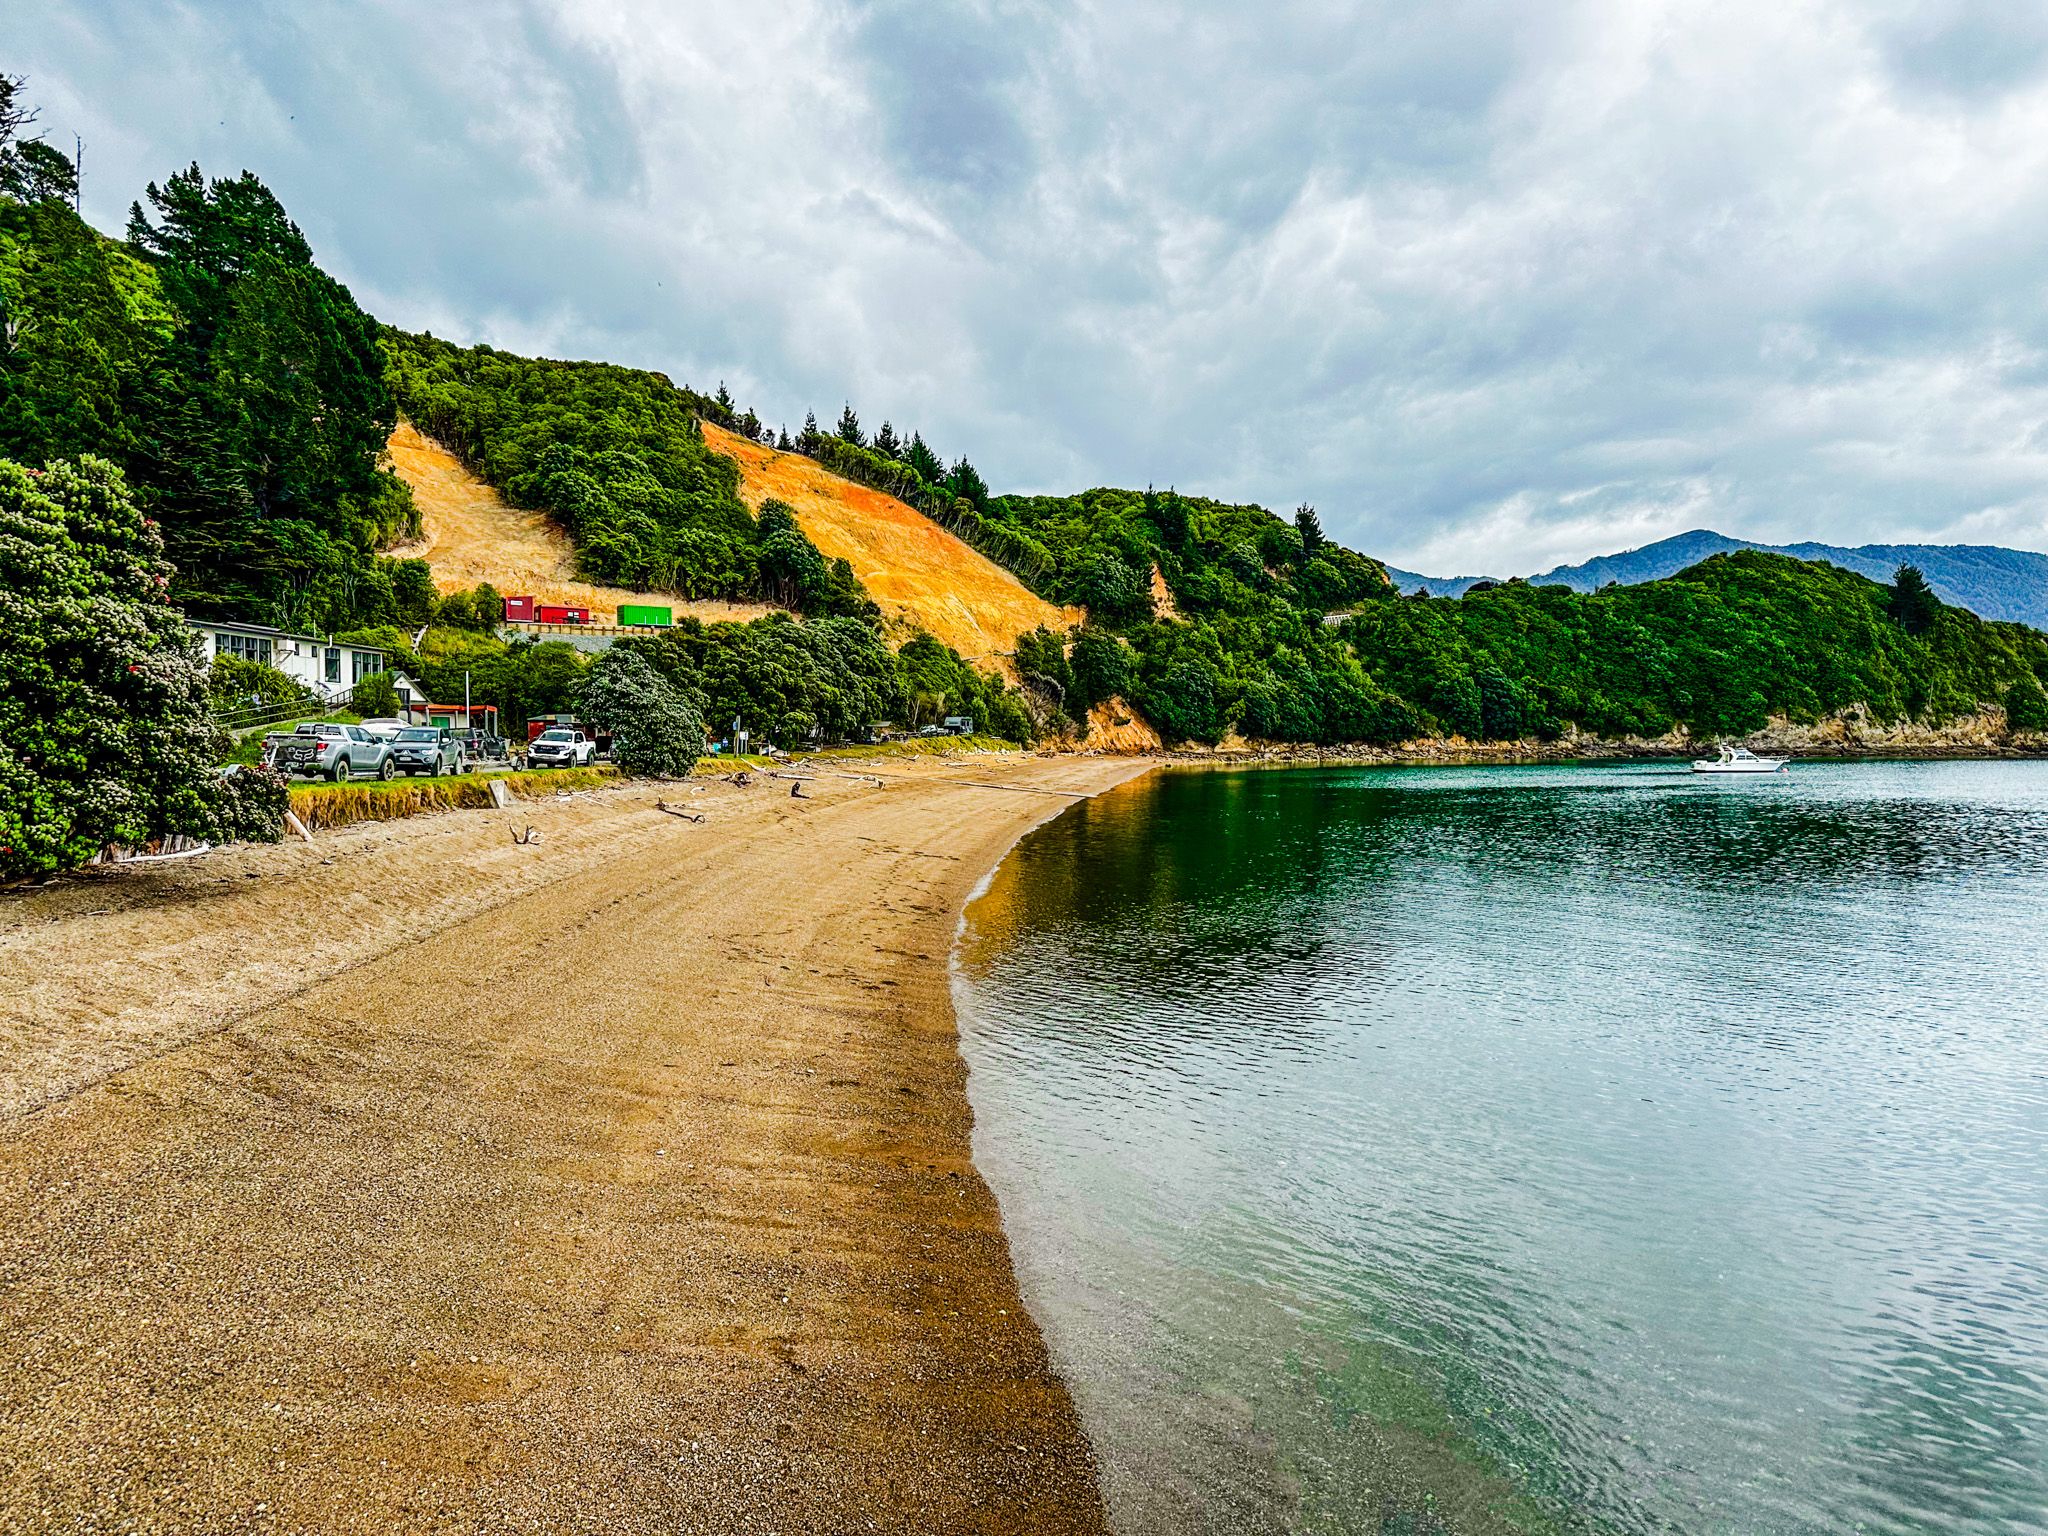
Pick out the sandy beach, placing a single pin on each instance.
(417, 1180)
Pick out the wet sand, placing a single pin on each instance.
(417, 1181)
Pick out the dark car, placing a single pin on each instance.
(427, 749)
(483, 747)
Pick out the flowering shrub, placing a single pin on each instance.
(105, 735)
(655, 733)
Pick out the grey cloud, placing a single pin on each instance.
(1495, 285)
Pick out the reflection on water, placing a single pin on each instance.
(1584, 1148)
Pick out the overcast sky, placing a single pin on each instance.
(1493, 285)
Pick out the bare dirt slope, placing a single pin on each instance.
(470, 535)
(624, 1186)
(920, 573)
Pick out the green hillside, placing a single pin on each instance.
(246, 400)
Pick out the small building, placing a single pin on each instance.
(328, 667)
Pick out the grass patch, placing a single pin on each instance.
(340, 805)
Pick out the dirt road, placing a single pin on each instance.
(619, 1184)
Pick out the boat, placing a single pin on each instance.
(1739, 760)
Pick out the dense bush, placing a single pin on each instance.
(236, 683)
(246, 804)
(655, 733)
(375, 697)
(105, 729)
(236, 384)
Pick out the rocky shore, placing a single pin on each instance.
(1847, 734)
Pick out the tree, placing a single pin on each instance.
(966, 483)
(1182, 704)
(105, 731)
(375, 697)
(655, 732)
(887, 443)
(412, 589)
(1912, 604)
(36, 172)
(782, 442)
(807, 441)
(1310, 527)
(2026, 705)
(848, 430)
(1101, 668)
(724, 401)
(922, 462)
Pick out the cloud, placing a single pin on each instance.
(1494, 286)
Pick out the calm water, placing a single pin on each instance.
(1590, 1149)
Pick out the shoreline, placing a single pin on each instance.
(618, 1182)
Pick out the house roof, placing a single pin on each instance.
(236, 626)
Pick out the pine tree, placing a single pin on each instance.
(807, 440)
(963, 481)
(848, 430)
(887, 443)
(782, 442)
(726, 408)
(922, 462)
(1913, 605)
(1310, 527)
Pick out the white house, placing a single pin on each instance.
(328, 667)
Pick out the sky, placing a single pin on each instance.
(1492, 285)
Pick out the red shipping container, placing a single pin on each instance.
(551, 613)
(518, 610)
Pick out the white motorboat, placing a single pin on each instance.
(1739, 760)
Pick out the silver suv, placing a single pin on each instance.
(427, 749)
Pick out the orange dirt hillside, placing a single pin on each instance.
(919, 573)
(469, 534)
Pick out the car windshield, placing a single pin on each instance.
(419, 735)
(557, 736)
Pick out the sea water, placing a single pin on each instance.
(1580, 1148)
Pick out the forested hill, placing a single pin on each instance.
(247, 400)
(1990, 581)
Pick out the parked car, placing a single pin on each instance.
(427, 749)
(326, 750)
(933, 730)
(384, 728)
(482, 746)
(560, 748)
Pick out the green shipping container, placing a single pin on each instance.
(643, 613)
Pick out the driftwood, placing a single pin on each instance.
(742, 778)
(677, 811)
(525, 838)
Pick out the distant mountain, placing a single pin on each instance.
(1435, 586)
(1990, 581)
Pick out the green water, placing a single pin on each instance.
(1584, 1148)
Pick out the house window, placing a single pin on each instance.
(334, 663)
(363, 663)
(247, 647)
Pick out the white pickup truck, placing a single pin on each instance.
(561, 748)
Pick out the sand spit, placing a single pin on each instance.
(416, 1181)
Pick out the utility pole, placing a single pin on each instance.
(467, 723)
(77, 175)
